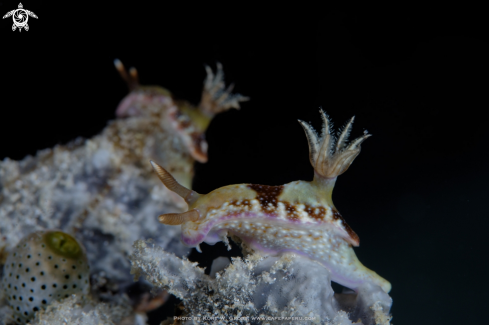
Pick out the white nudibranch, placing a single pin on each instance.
(296, 217)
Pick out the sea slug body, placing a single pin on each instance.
(297, 217)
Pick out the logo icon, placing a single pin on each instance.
(20, 17)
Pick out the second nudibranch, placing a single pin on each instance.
(297, 217)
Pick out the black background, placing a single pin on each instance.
(415, 79)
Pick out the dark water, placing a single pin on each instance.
(417, 193)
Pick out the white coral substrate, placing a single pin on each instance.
(88, 191)
(258, 290)
(83, 311)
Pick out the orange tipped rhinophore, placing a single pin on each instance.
(131, 79)
(174, 219)
(188, 195)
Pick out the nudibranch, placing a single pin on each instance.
(188, 121)
(297, 217)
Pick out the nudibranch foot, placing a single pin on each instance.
(298, 217)
(318, 243)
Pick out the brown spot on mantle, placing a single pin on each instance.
(316, 213)
(291, 211)
(267, 194)
(238, 203)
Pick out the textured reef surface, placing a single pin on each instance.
(98, 200)
(259, 289)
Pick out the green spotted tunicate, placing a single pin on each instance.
(43, 267)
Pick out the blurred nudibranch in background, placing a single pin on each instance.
(182, 123)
